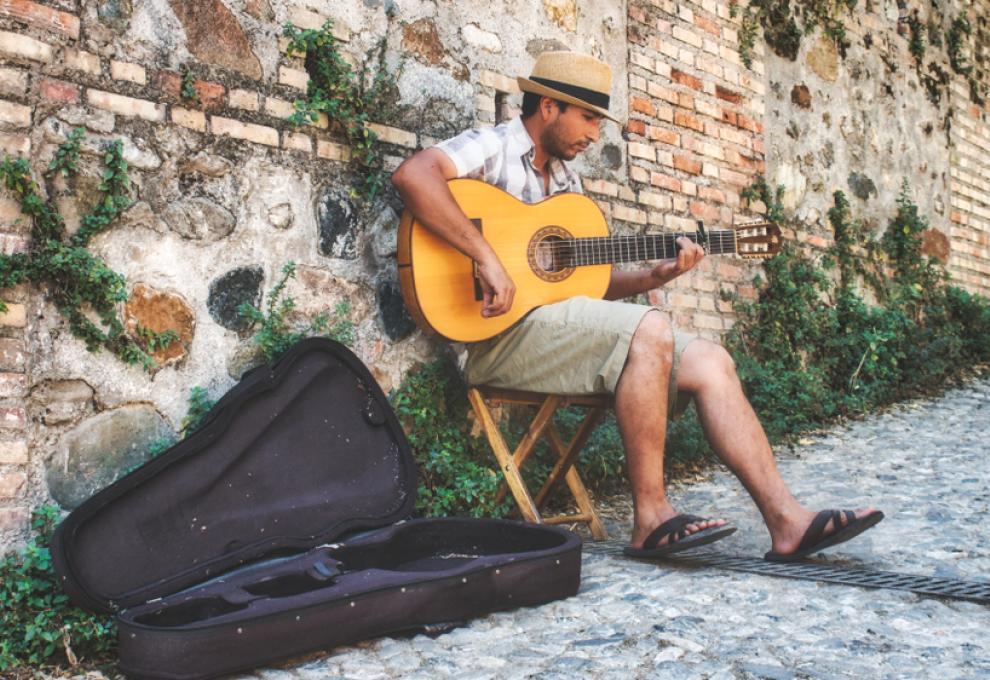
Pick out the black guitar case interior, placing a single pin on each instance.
(282, 526)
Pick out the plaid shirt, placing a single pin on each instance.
(503, 156)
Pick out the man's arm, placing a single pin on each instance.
(625, 284)
(422, 184)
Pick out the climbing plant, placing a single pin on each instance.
(273, 330)
(811, 347)
(785, 22)
(956, 37)
(350, 99)
(82, 287)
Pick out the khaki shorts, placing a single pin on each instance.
(578, 346)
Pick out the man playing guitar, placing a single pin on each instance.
(583, 345)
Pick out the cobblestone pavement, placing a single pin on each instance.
(926, 464)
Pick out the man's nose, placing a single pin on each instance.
(594, 131)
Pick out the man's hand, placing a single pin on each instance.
(688, 256)
(497, 286)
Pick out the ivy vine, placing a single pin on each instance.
(782, 31)
(958, 34)
(273, 331)
(82, 287)
(350, 99)
(188, 89)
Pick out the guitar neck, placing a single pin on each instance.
(615, 249)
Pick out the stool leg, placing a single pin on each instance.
(577, 488)
(509, 469)
(533, 434)
(567, 456)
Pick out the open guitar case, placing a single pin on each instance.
(284, 525)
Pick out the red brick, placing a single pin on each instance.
(13, 417)
(13, 355)
(728, 95)
(708, 25)
(661, 92)
(688, 165)
(11, 385)
(636, 127)
(735, 178)
(11, 484)
(688, 121)
(729, 116)
(685, 101)
(42, 17)
(686, 79)
(663, 135)
(704, 211)
(710, 194)
(14, 519)
(663, 181)
(748, 124)
(58, 91)
(641, 104)
(758, 147)
(210, 95)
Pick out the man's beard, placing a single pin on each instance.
(554, 145)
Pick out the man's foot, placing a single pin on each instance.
(827, 528)
(678, 533)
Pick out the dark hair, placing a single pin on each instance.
(531, 102)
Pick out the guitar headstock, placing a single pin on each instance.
(757, 240)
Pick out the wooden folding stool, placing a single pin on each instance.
(542, 425)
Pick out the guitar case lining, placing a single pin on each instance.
(283, 525)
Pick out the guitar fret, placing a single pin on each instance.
(597, 250)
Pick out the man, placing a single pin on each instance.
(592, 346)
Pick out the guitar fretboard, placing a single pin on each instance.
(612, 249)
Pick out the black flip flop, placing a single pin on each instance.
(678, 538)
(812, 541)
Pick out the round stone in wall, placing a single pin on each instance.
(281, 216)
(396, 320)
(229, 291)
(114, 13)
(337, 223)
(102, 449)
(200, 219)
(612, 156)
(158, 311)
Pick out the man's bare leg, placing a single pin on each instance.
(708, 373)
(641, 412)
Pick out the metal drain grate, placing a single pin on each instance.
(956, 589)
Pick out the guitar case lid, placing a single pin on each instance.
(298, 453)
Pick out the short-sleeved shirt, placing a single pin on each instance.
(503, 157)
(578, 346)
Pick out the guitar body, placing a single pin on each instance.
(438, 282)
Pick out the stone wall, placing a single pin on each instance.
(227, 191)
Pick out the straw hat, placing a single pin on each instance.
(571, 77)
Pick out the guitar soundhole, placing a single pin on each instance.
(550, 254)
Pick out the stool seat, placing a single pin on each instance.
(510, 462)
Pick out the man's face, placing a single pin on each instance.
(570, 132)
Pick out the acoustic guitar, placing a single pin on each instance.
(553, 250)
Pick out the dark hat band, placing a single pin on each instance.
(584, 94)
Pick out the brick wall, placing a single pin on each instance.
(969, 261)
(695, 136)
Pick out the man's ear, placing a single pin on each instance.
(548, 107)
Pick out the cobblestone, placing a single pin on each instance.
(924, 463)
